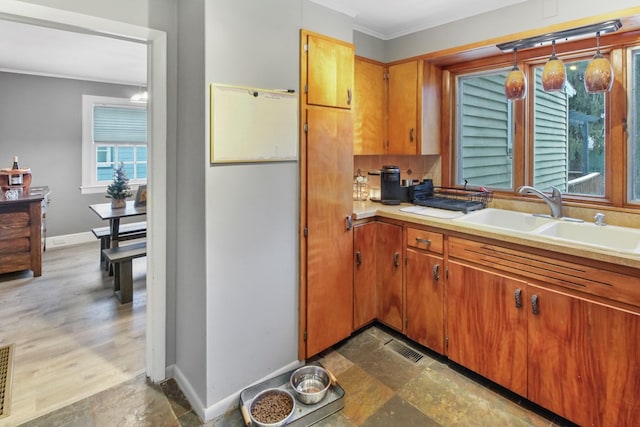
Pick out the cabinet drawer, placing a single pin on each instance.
(577, 276)
(15, 262)
(14, 246)
(12, 220)
(426, 240)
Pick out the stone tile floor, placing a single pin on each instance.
(382, 389)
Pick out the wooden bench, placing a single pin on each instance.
(122, 259)
(129, 231)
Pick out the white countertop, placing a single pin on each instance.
(442, 219)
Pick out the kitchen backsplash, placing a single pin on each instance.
(411, 167)
(420, 167)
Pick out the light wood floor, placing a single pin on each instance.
(72, 337)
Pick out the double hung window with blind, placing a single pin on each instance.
(114, 133)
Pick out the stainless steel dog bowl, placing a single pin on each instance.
(310, 384)
(269, 407)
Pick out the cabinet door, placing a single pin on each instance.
(486, 327)
(389, 260)
(369, 107)
(425, 299)
(365, 301)
(403, 130)
(431, 88)
(329, 72)
(584, 361)
(329, 242)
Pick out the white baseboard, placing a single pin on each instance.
(70, 239)
(224, 405)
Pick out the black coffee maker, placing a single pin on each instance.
(390, 190)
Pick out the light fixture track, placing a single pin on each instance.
(602, 27)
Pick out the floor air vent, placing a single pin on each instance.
(6, 365)
(403, 350)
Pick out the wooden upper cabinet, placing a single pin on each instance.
(403, 106)
(329, 71)
(369, 107)
(431, 107)
(397, 108)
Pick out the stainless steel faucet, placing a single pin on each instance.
(554, 202)
(599, 219)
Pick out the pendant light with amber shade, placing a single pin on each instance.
(515, 85)
(554, 75)
(597, 78)
(599, 74)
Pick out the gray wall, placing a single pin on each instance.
(192, 318)
(41, 123)
(369, 46)
(252, 209)
(520, 17)
(251, 236)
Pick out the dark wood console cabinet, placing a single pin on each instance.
(21, 226)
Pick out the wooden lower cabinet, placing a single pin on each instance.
(389, 275)
(487, 326)
(584, 359)
(557, 343)
(569, 343)
(365, 297)
(425, 299)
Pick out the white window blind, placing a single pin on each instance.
(119, 124)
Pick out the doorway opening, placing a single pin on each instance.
(156, 42)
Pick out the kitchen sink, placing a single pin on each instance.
(505, 219)
(609, 236)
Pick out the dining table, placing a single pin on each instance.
(106, 212)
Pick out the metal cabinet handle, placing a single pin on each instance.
(436, 272)
(348, 223)
(411, 135)
(396, 259)
(518, 296)
(349, 96)
(358, 259)
(534, 305)
(425, 241)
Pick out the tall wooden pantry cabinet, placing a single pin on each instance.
(326, 168)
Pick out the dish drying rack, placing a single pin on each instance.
(456, 199)
(481, 196)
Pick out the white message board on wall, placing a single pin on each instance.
(253, 125)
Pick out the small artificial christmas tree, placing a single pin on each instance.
(119, 189)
